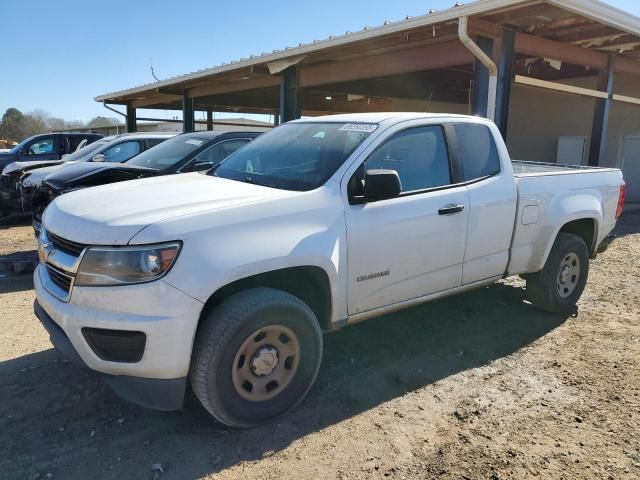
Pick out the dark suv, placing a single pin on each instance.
(46, 147)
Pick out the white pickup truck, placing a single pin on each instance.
(226, 281)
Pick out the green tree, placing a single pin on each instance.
(101, 121)
(12, 125)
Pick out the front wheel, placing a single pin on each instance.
(255, 357)
(558, 287)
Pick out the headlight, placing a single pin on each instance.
(126, 265)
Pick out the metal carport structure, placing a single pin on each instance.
(581, 48)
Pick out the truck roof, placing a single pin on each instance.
(385, 116)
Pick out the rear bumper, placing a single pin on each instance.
(158, 394)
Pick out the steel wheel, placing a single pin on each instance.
(568, 275)
(265, 363)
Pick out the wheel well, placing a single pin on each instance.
(584, 228)
(310, 284)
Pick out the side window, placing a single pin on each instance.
(42, 147)
(478, 151)
(152, 142)
(419, 155)
(122, 152)
(214, 155)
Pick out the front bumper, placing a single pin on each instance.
(159, 394)
(9, 194)
(166, 316)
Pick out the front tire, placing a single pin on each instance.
(255, 357)
(559, 285)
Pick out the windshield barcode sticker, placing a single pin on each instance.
(359, 127)
(194, 142)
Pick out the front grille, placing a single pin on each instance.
(67, 246)
(61, 280)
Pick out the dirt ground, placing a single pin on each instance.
(481, 386)
(16, 238)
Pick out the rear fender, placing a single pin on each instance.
(568, 209)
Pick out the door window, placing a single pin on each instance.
(152, 142)
(478, 151)
(122, 152)
(419, 155)
(214, 155)
(42, 147)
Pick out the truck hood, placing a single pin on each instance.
(113, 214)
(36, 176)
(18, 167)
(82, 174)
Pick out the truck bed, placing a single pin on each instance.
(523, 168)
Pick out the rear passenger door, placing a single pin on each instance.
(492, 199)
(412, 245)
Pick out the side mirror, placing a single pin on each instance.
(99, 158)
(381, 184)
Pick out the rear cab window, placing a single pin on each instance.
(478, 151)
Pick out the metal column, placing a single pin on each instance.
(131, 119)
(481, 79)
(187, 114)
(505, 79)
(209, 120)
(601, 116)
(289, 95)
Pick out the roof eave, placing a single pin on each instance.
(373, 32)
(593, 9)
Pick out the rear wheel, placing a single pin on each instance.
(255, 357)
(558, 287)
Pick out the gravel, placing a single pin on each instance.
(478, 386)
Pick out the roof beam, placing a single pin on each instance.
(542, 47)
(245, 83)
(429, 57)
(155, 100)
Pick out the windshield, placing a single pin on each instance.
(86, 151)
(168, 153)
(295, 156)
(21, 145)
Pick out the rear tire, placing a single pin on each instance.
(559, 285)
(255, 357)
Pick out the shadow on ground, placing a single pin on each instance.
(15, 283)
(14, 220)
(628, 224)
(56, 418)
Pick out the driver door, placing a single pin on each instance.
(412, 245)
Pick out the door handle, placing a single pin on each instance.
(450, 209)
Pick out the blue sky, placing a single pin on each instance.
(58, 55)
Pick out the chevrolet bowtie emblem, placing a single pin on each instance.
(46, 247)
